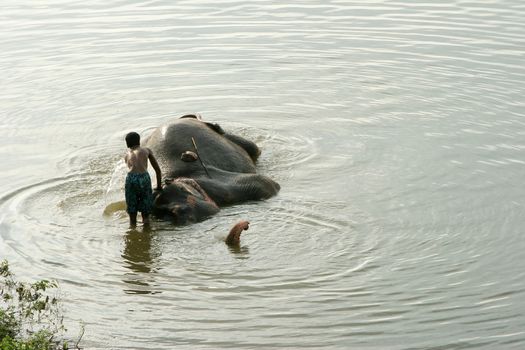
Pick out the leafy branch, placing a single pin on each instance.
(30, 314)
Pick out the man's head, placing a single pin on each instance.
(132, 139)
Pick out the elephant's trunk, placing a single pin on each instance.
(234, 237)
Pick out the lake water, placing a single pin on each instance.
(395, 128)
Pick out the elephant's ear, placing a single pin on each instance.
(250, 147)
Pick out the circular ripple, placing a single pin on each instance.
(416, 226)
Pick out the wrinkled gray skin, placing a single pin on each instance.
(190, 194)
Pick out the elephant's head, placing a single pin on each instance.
(183, 201)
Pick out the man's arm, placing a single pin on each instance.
(156, 167)
(127, 161)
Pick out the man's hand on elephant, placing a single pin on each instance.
(156, 191)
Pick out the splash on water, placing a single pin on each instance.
(114, 197)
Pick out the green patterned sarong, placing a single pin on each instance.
(139, 196)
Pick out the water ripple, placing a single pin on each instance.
(394, 128)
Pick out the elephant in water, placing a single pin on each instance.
(203, 169)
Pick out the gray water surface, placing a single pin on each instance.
(395, 129)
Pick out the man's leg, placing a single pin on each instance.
(145, 219)
(133, 220)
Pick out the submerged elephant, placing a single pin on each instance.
(205, 168)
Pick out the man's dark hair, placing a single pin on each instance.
(132, 139)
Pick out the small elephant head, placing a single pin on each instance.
(182, 204)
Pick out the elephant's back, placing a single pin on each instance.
(169, 141)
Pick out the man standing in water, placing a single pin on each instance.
(139, 196)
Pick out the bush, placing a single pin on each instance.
(30, 317)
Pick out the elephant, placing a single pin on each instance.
(205, 168)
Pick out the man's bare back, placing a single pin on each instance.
(137, 162)
(137, 159)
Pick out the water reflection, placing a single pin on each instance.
(240, 252)
(394, 127)
(140, 256)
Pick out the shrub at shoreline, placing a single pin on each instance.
(30, 314)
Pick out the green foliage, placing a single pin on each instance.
(30, 316)
(38, 341)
